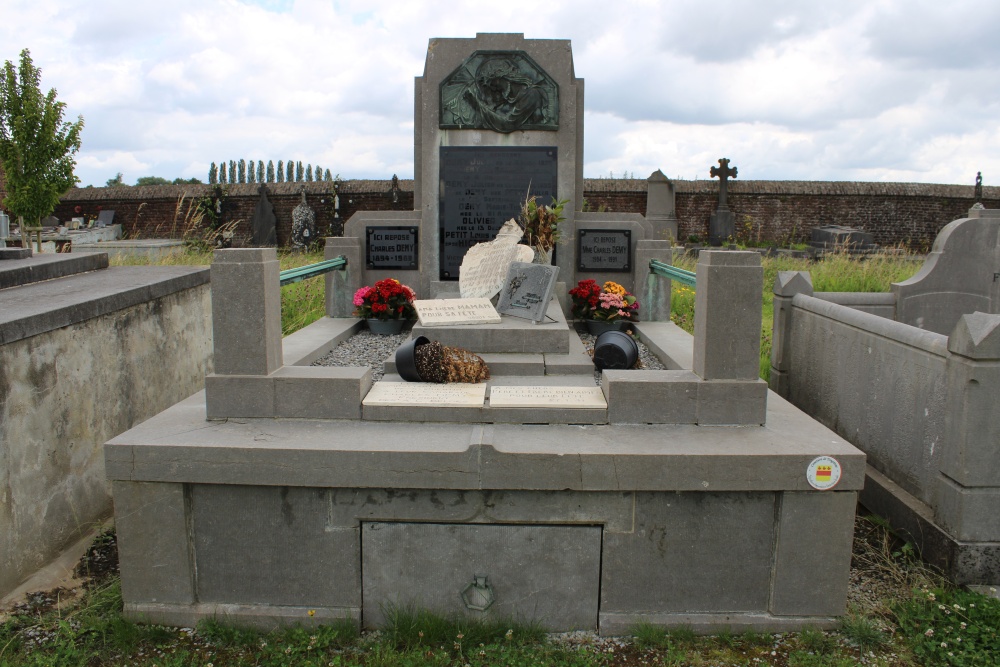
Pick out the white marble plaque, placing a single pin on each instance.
(426, 395)
(485, 265)
(547, 397)
(445, 312)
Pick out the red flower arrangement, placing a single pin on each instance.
(608, 303)
(389, 299)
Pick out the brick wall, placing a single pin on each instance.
(779, 211)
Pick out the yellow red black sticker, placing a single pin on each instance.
(823, 473)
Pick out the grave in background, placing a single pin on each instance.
(684, 497)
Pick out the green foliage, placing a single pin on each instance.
(213, 174)
(117, 181)
(299, 172)
(290, 172)
(36, 145)
(270, 170)
(309, 173)
(862, 631)
(222, 174)
(326, 176)
(281, 172)
(951, 627)
(260, 171)
(251, 173)
(186, 181)
(407, 628)
(242, 171)
(151, 180)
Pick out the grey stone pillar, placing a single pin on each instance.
(969, 486)
(660, 211)
(786, 285)
(653, 291)
(246, 311)
(727, 315)
(341, 285)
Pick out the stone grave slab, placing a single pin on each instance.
(519, 396)
(105, 218)
(484, 267)
(422, 394)
(451, 312)
(527, 290)
(511, 334)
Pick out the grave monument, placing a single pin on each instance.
(722, 225)
(288, 493)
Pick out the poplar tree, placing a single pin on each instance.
(260, 171)
(251, 173)
(290, 172)
(213, 174)
(222, 173)
(327, 176)
(281, 171)
(309, 173)
(270, 171)
(36, 145)
(232, 171)
(298, 172)
(242, 171)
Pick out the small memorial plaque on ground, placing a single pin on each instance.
(547, 397)
(422, 394)
(604, 249)
(391, 248)
(447, 312)
(484, 267)
(527, 290)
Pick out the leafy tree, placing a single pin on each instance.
(281, 171)
(309, 173)
(222, 173)
(270, 170)
(151, 180)
(290, 172)
(260, 171)
(36, 145)
(186, 181)
(232, 171)
(251, 172)
(299, 172)
(242, 171)
(326, 176)
(213, 174)
(116, 182)
(318, 172)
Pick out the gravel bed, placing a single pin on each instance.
(367, 349)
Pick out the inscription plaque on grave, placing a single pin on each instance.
(604, 249)
(482, 188)
(421, 394)
(391, 248)
(448, 312)
(515, 396)
(527, 290)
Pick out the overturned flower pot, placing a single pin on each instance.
(423, 360)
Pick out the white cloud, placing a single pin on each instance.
(878, 90)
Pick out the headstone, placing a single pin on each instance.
(547, 397)
(264, 223)
(105, 218)
(527, 290)
(660, 207)
(50, 221)
(450, 312)
(425, 395)
(604, 250)
(722, 224)
(392, 248)
(484, 267)
(303, 224)
(4, 227)
(837, 236)
(481, 187)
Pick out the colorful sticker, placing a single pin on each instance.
(823, 473)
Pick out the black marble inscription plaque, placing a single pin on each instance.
(482, 188)
(392, 248)
(604, 249)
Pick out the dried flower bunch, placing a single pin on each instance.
(388, 299)
(609, 303)
(541, 223)
(440, 363)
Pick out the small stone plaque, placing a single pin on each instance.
(446, 312)
(423, 394)
(527, 290)
(604, 249)
(547, 397)
(391, 248)
(485, 265)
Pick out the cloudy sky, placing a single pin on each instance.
(874, 90)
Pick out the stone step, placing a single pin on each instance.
(17, 272)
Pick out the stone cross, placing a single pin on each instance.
(723, 172)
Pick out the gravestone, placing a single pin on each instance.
(105, 218)
(484, 267)
(527, 290)
(50, 221)
(604, 250)
(837, 236)
(303, 224)
(264, 223)
(722, 225)
(392, 248)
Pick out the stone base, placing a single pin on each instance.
(721, 228)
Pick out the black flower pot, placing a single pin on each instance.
(406, 359)
(615, 350)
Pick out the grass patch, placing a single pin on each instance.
(951, 626)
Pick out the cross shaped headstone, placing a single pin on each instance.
(722, 172)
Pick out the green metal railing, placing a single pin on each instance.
(289, 276)
(672, 272)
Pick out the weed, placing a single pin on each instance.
(951, 627)
(862, 631)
